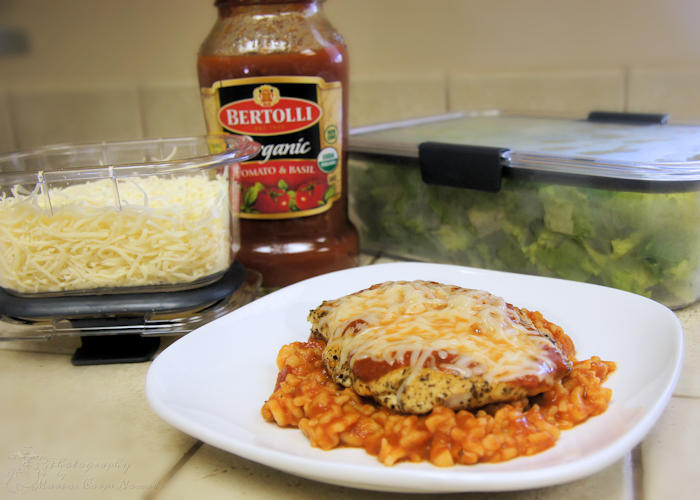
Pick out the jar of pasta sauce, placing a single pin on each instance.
(278, 72)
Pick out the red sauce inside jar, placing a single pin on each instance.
(294, 40)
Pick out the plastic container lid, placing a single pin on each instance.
(114, 160)
(614, 150)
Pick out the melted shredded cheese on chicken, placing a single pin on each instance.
(421, 318)
(146, 231)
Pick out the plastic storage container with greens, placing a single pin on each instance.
(613, 199)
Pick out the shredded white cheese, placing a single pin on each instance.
(485, 335)
(158, 230)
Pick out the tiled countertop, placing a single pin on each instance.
(88, 432)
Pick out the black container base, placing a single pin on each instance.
(113, 349)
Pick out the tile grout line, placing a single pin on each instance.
(637, 473)
(12, 117)
(142, 110)
(376, 257)
(626, 89)
(173, 470)
(446, 90)
(685, 396)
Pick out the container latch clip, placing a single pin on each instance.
(458, 165)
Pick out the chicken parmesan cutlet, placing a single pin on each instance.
(416, 345)
(421, 371)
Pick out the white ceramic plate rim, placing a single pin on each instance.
(186, 384)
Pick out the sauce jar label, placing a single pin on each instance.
(298, 121)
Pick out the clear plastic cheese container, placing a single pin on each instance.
(119, 217)
(611, 199)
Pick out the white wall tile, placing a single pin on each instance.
(101, 113)
(7, 135)
(571, 92)
(172, 110)
(384, 99)
(663, 90)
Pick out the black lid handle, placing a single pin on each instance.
(628, 118)
(457, 165)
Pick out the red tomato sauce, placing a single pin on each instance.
(286, 250)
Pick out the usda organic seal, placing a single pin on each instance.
(327, 159)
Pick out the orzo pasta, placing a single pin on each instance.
(331, 415)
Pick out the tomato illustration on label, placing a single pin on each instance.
(310, 195)
(272, 200)
(292, 188)
(262, 199)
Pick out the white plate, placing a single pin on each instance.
(212, 383)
